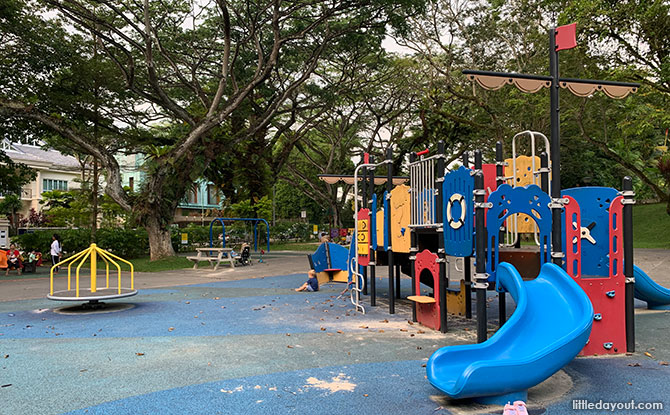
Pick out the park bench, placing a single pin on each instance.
(214, 256)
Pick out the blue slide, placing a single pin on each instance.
(656, 296)
(550, 326)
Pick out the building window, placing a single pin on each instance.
(193, 196)
(131, 184)
(51, 184)
(213, 197)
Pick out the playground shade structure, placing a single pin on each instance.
(549, 327)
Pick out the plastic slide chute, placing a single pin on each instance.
(646, 289)
(551, 324)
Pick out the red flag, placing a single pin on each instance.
(566, 36)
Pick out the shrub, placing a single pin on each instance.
(126, 243)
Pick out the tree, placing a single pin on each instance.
(13, 176)
(10, 206)
(177, 79)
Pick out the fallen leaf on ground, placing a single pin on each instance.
(403, 329)
(410, 323)
(384, 321)
(140, 354)
(363, 327)
(420, 331)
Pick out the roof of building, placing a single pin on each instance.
(29, 154)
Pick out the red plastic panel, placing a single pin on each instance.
(616, 237)
(428, 314)
(490, 186)
(611, 328)
(363, 237)
(608, 294)
(573, 239)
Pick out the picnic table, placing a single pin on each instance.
(214, 256)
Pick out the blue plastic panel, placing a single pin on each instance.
(458, 222)
(594, 203)
(320, 258)
(373, 223)
(508, 200)
(386, 212)
(339, 256)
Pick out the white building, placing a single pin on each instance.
(55, 171)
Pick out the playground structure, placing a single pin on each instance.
(93, 294)
(254, 221)
(574, 291)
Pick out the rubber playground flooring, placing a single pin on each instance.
(254, 346)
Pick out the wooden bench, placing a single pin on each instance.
(214, 256)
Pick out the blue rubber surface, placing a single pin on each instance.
(370, 388)
(646, 289)
(549, 327)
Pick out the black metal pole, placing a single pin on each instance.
(480, 258)
(628, 261)
(502, 297)
(467, 264)
(389, 187)
(364, 205)
(444, 282)
(397, 281)
(556, 208)
(544, 175)
(373, 252)
(412, 255)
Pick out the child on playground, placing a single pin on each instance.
(312, 283)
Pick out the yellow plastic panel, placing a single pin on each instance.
(400, 216)
(381, 224)
(456, 301)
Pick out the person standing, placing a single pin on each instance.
(56, 250)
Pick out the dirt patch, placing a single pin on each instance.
(336, 384)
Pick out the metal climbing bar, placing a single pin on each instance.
(358, 280)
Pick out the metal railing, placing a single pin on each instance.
(423, 208)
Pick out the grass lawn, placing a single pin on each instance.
(166, 264)
(294, 246)
(651, 226)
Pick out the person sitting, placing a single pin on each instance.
(13, 260)
(31, 264)
(312, 283)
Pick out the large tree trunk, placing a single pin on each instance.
(160, 243)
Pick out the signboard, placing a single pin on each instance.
(184, 239)
(363, 237)
(315, 229)
(303, 214)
